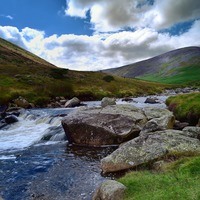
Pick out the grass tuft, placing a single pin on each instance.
(186, 107)
(180, 181)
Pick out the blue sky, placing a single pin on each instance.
(98, 34)
(48, 15)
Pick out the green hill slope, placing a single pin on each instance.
(24, 74)
(180, 66)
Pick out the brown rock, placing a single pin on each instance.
(107, 126)
(72, 103)
(110, 190)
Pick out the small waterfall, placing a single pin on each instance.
(31, 129)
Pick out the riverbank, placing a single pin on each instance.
(156, 173)
(48, 169)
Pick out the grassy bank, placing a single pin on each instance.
(186, 107)
(178, 180)
(39, 88)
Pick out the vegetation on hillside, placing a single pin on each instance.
(186, 107)
(184, 75)
(176, 180)
(24, 74)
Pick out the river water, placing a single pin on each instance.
(36, 161)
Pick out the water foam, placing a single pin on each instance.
(28, 131)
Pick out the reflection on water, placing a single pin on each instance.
(31, 168)
(52, 172)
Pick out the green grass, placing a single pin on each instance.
(180, 181)
(184, 75)
(186, 107)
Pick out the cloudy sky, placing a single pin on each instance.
(99, 34)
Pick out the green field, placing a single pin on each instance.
(177, 180)
(184, 75)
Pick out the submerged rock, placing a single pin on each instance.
(110, 190)
(2, 124)
(128, 99)
(10, 119)
(148, 147)
(151, 100)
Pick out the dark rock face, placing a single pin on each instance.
(110, 190)
(10, 119)
(99, 129)
(108, 126)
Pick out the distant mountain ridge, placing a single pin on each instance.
(163, 67)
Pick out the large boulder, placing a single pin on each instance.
(112, 125)
(110, 190)
(106, 101)
(148, 147)
(72, 103)
(103, 126)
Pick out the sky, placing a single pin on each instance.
(99, 34)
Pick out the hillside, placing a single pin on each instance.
(176, 67)
(24, 74)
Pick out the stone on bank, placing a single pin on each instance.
(110, 190)
(149, 147)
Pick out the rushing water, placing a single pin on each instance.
(37, 163)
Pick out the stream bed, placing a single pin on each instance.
(34, 168)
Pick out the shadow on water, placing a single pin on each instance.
(52, 172)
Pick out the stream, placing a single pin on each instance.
(34, 167)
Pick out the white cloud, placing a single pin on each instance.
(167, 13)
(12, 34)
(7, 16)
(115, 15)
(100, 51)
